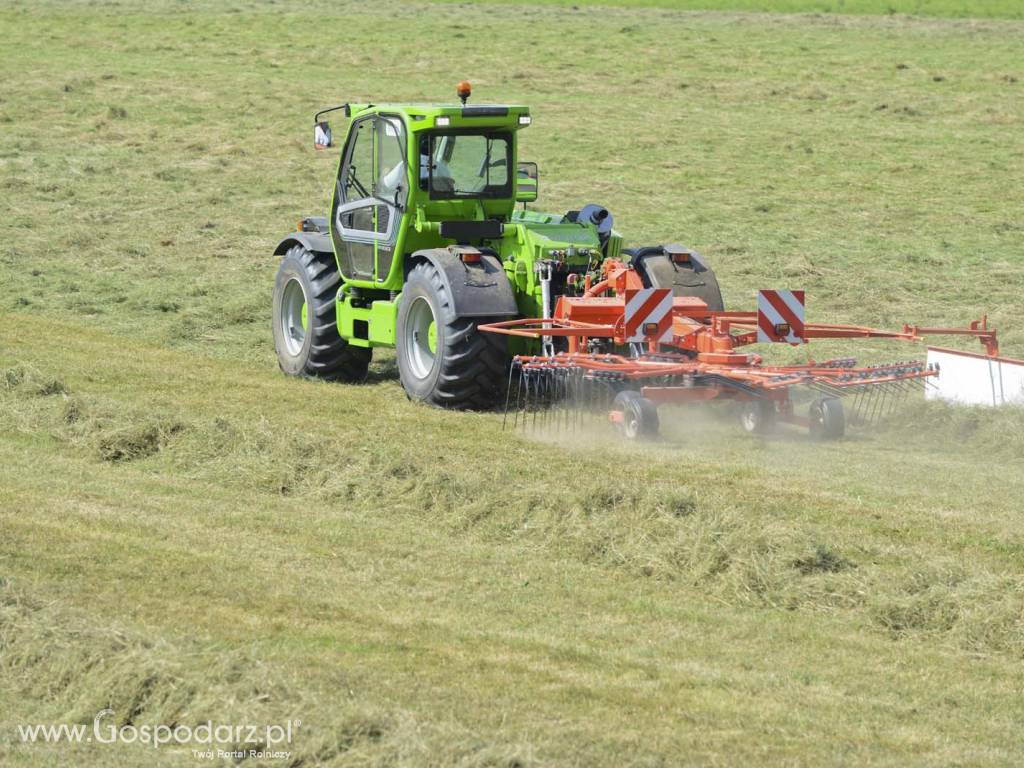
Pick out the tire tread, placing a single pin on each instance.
(473, 372)
(330, 356)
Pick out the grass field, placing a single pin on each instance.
(186, 534)
(966, 9)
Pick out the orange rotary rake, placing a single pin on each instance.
(629, 350)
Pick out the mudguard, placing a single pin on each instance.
(693, 278)
(319, 242)
(477, 290)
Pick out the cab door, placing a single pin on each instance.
(370, 196)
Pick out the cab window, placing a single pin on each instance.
(467, 164)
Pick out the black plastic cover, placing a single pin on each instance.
(471, 231)
(484, 111)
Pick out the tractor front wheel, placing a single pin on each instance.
(305, 320)
(442, 358)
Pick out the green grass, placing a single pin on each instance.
(964, 9)
(186, 534)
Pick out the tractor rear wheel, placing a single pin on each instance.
(305, 320)
(442, 358)
(639, 415)
(691, 278)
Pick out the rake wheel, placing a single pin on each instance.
(827, 420)
(639, 415)
(757, 417)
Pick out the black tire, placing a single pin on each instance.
(466, 368)
(639, 415)
(827, 419)
(693, 278)
(314, 350)
(757, 417)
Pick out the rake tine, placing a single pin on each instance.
(581, 398)
(883, 395)
(865, 404)
(829, 389)
(869, 405)
(904, 391)
(570, 400)
(897, 398)
(553, 399)
(525, 395)
(508, 395)
(888, 404)
(540, 412)
(531, 410)
(876, 404)
(870, 401)
(858, 397)
(538, 390)
(556, 405)
(519, 395)
(556, 415)
(563, 397)
(566, 406)
(575, 381)
(560, 402)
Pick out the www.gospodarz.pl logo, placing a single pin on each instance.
(220, 740)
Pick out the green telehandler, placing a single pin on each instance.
(424, 243)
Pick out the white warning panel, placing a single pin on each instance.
(649, 315)
(973, 379)
(780, 317)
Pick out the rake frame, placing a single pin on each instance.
(703, 361)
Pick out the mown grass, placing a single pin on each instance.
(187, 534)
(998, 9)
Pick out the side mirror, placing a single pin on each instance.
(526, 182)
(322, 138)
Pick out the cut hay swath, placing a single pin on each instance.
(629, 354)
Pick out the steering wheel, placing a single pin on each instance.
(484, 165)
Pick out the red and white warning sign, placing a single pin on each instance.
(649, 315)
(780, 316)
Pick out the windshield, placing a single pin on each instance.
(468, 165)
